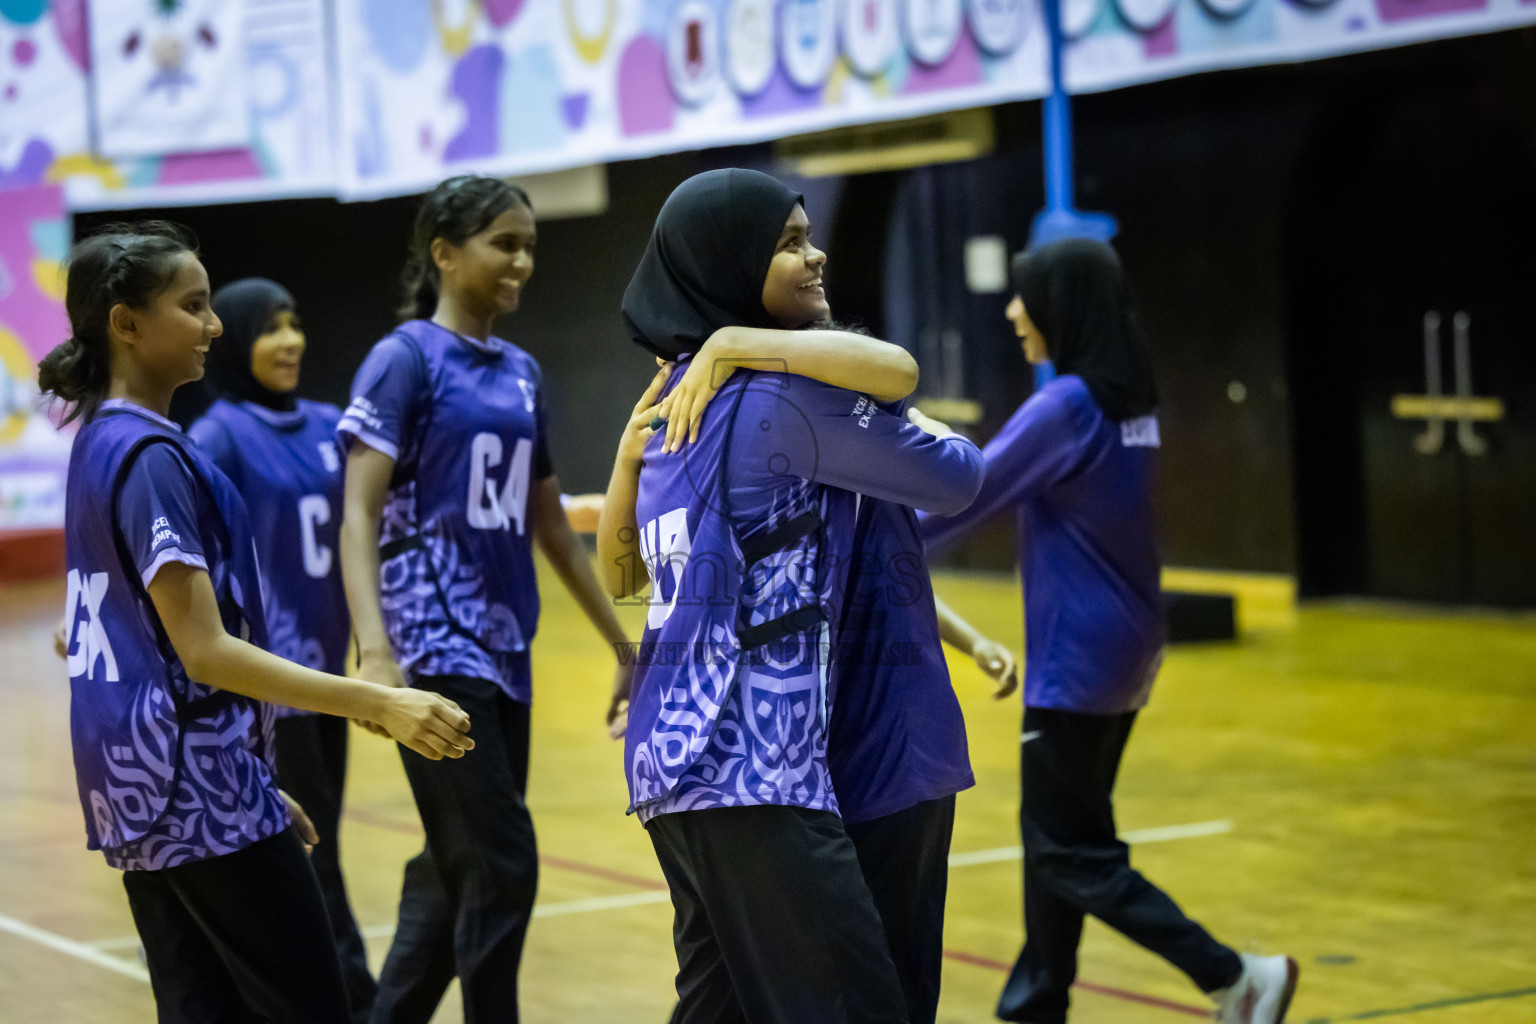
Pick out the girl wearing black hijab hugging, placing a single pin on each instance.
(742, 534)
(1075, 463)
(280, 452)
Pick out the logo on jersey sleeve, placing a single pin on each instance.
(1140, 433)
(328, 457)
(161, 533)
(864, 409)
(366, 413)
(485, 508)
(88, 641)
(314, 510)
(530, 393)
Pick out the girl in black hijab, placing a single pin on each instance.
(740, 532)
(249, 309)
(1076, 464)
(279, 451)
(1075, 291)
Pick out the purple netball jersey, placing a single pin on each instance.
(464, 422)
(169, 770)
(897, 735)
(286, 467)
(1082, 487)
(743, 535)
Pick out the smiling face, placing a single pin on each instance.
(792, 290)
(1034, 342)
(277, 352)
(487, 273)
(168, 339)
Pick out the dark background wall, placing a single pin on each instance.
(1215, 182)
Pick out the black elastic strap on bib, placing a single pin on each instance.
(780, 537)
(797, 621)
(399, 546)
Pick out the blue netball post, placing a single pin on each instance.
(1061, 218)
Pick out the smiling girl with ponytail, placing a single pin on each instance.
(171, 681)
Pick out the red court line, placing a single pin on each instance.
(597, 872)
(405, 828)
(413, 828)
(1087, 986)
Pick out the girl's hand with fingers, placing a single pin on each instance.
(928, 423)
(684, 407)
(429, 724)
(638, 430)
(997, 662)
(301, 823)
(618, 700)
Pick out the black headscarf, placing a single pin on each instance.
(1075, 293)
(246, 307)
(704, 266)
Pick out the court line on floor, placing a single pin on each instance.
(1438, 1004)
(629, 899)
(78, 950)
(652, 892)
(973, 960)
(413, 828)
(1138, 836)
(957, 860)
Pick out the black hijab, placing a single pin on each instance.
(1075, 293)
(704, 266)
(246, 307)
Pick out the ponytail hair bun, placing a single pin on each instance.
(129, 264)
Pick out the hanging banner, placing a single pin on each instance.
(167, 76)
(280, 53)
(435, 87)
(426, 88)
(431, 88)
(34, 239)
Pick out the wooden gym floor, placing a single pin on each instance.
(1354, 784)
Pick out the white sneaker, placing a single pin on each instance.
(1262, 995)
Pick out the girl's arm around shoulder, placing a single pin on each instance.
(843, 359)
(845, 439)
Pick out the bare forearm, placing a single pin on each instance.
(954, 630)
(360, 580)
(231, 664)
(877, 368)
(618, 534)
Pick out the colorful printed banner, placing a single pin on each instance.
(167, 76)
(34, 237)
(426, 88)
(515, 86)
(45, 124)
